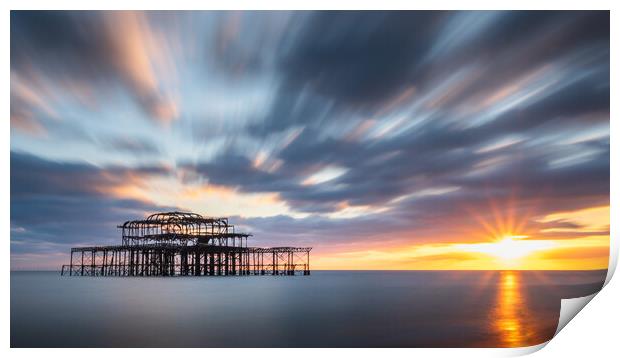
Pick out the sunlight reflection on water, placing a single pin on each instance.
(514, 321)
(510, 310)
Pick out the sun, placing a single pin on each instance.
(509, 247)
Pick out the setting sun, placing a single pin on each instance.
(509, 247)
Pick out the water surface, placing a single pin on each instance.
(326, 309)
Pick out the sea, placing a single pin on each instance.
(325, 309)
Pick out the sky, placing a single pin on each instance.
(384, 140)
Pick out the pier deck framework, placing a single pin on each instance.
(185, 244)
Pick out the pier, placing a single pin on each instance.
(185, 244)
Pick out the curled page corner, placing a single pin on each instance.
(569, 309)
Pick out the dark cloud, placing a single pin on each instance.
(435, 159)
(68, 179)
(340, 64)
(235, 170)
(70, 43)
(69, 203)
(512, 46)
(360, 58)
(88, 51)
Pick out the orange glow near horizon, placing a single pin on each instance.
(502, 245)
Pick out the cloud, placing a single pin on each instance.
(360, 58)
(129, 145)
(24, 122)
(90, 51)
(133, 46)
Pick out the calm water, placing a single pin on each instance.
(326, 309)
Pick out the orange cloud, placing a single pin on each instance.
(25, 92)
(589, 219)
(25, 123)
(600, 253)
(26, 102)
(137, 52)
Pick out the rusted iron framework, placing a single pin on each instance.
(185, 244)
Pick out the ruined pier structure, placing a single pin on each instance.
(185, 244)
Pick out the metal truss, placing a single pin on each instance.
(185, 244)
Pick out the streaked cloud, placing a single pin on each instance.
(363, 134)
